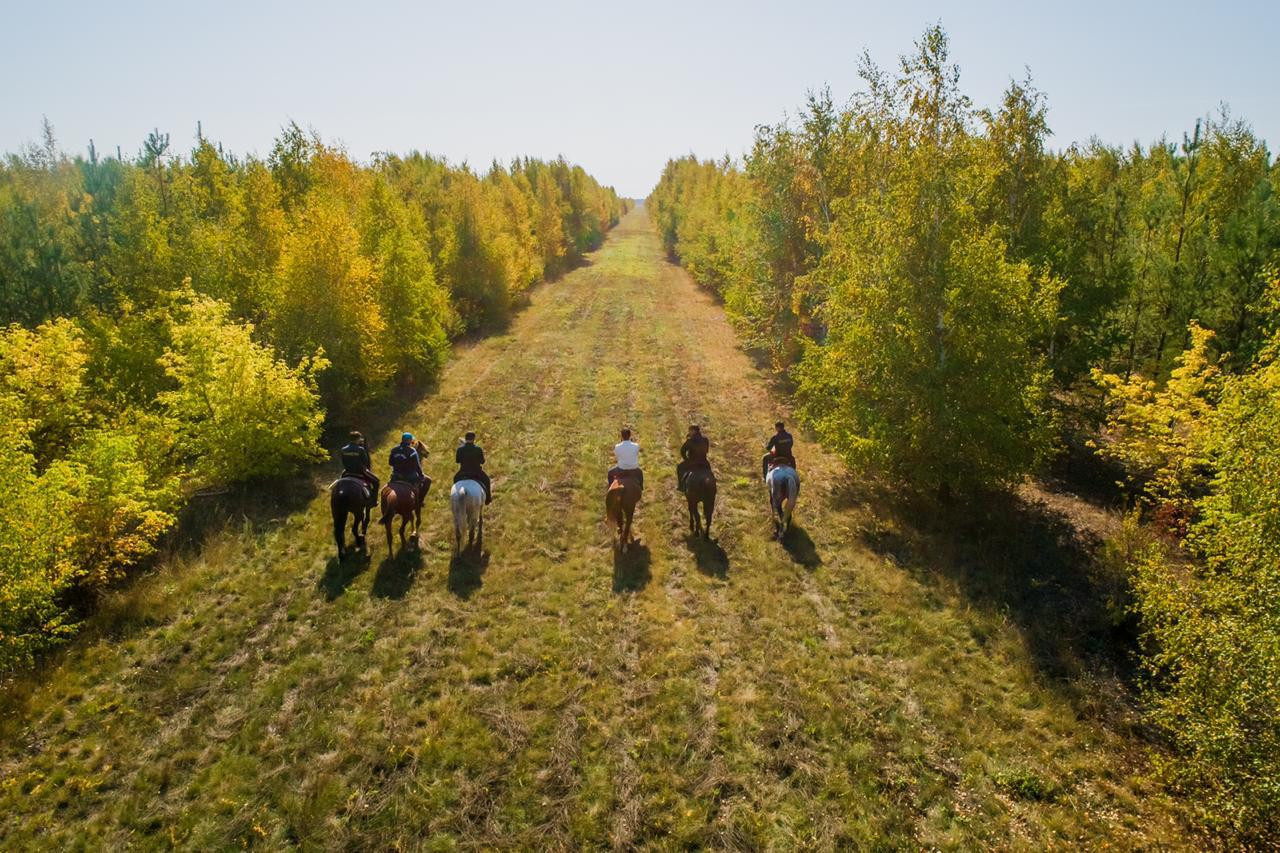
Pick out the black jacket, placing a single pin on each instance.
(355, 458)
(470, 457)
(695, 449)
(405, 461)
(780, 443)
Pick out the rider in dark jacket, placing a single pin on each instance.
(406, 464)
(356, 463)
(470, 459)
(693, 455)
(779, 449)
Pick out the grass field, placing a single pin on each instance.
(868, 684)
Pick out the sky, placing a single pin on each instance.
(616, 87)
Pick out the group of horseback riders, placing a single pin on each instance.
(406, 464)
(358, 490)
(406, 460)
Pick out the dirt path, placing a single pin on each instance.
(550, 693)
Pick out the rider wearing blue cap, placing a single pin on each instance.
(406, 464)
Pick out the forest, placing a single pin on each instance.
(959, 307)
(176, 323)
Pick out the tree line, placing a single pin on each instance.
(955, 301)
(176, 322)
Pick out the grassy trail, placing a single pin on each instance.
(551, 694)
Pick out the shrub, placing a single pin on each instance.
(240, 412)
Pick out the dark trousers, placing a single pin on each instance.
(480, 477)
(685, 466)
(420, 486)
(780, 460)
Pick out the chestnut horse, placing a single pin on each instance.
(620, 507)
(399, 498)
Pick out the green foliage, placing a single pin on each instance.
(941, 286)
(1158, 434)
(42, 373)
(185, 321)
(1212, 614)
(851, 250)
(78, 526)
(239, 411)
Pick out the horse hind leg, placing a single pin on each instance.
(339, 533)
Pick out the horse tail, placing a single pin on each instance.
(790, 492)
(613, 504)
(388, 505)
(457, 505)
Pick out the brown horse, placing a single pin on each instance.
(402, 499)
(347, 496)
(700, 488)
(620, 507)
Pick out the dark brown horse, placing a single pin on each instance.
(349, 496)
(402, 499)
(620, 507)
(700, 488)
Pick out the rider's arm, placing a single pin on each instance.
(479, 456)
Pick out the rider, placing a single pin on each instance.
(779, 449)
(356, 463)
(693, 455)
(406, 464)
(470, 459)
(627, 454)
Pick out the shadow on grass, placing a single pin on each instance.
(396, 574)
(798, 544)
(711, 558)
(466, 571)
(631, 571)
(1028, 563)
(340, 573)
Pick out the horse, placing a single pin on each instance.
(466, 499)
(620, 507)
(397, 498)
(784, 487)
(700, 488)
(349, 495)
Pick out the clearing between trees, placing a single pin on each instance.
(864, 684)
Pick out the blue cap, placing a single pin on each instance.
(408, 436)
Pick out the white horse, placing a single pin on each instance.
(784, 488)
(466, 499)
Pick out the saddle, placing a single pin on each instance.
(782, 462)
(412, 488)
(620, 474)
(694, 468)
(366, 488)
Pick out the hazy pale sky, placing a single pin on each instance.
(618, 88)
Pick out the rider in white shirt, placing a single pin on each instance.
(627, 453)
